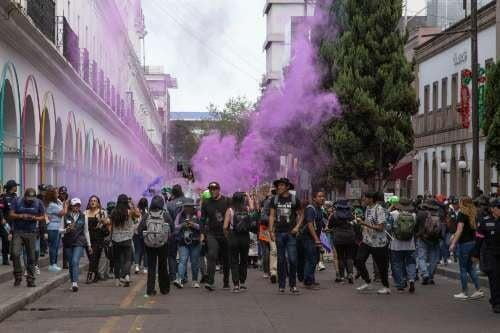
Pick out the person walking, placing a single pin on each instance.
(464, 239)
(140, 256)
(56, 210)
(99, 229)
(428, 235)
(6, 201)
(76, 239)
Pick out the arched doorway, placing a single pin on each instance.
(30, 149)
(453, 173)
(58, 156)
(426, 175)
(434, 175)
(10, 135)
(46, 174)
(69, 160)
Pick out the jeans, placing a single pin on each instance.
(157, 257)
(239, 245)
(380, 258)
(466, 266)
(217, 245)
(428, 258)
(122, 254)
(28, 239)
(54, 240)
(404, 267)
(74, 255)
(311, 257)
(286, 245)
(301, 258)
(140, 255)
(191, 252)
(444, 244)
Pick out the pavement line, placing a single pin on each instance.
(139, 320)
(127, 301)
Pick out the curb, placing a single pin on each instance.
(9, 308)
(455, 275)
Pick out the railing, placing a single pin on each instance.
(43, 14)
(438, 121)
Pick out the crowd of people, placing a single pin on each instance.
(165, 236)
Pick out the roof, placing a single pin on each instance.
(191, 116)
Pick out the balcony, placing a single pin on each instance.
(43, 14)
(434, 122)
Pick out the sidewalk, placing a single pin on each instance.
(452, 271)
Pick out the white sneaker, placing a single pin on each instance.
(365, 287)
(53, 269)
(384, 291)
(178, 284)
(57, 268)
(127, 278)
(136, 269)
(477, 294)
(321, 266)
(37, 270)
(145, 271)
(462, 296)
(196, 285)
(265, 276)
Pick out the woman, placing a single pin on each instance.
(122, 230)
(187, 229)
(156, 256)
(464, 238)
(98, 229)
(55, 211)
(139, 250)
(240, 219)
(76, 238)
(341, 222)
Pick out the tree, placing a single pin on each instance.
(233, 118)
(492, 96)
(493, 141)
(373, 81)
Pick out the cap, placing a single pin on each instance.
(76, 201)
(213, 185)
(10, 184)
(285, 181)
(63, 189)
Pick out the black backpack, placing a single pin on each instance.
(242, 222)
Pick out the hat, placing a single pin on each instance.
(213, 185)
(10, 184)
(285, 181)
(63, 189)
(75, 201)
(404, 204)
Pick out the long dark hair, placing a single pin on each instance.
(142, 204)
(98, 201)
(238, 201)
(120, 214)
(50, 196)
(157, 203)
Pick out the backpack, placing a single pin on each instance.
(404, 226)
(242, 222)
(432, 226)
(157, 230)
(343, 210)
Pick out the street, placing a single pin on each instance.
(335, 308)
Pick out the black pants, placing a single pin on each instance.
(171, 251)
(239, 245)
(4, 236)
(494, 280)
(97, 249)
(345, 257)
(217, 246)
(301, 259)
(265, 254)
(381, 259)
(122, 258)
(157, 257)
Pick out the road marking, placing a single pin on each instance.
(138, 323)
(127, 301)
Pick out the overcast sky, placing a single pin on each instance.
(212, 47)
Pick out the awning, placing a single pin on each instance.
(404, 167)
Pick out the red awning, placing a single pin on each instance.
(404, 168)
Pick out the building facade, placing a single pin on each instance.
(443, 133)
(76, 108)
(444, 13)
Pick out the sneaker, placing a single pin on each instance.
(496, 309)
(425, 281)
(118, 282)
(136, 269)
(74, 287)
(338, 280)
(294, 290)
(17, 282)
(384, 291)
(210, 287)
(400, 290)
(365, 287)
(321, 266)
(477, 294)
(243, 287)
(217, 268)
(265, 276)
(57, 268)
(274, 279)
(145, 271)
(37, 270)
(236, 289)
(178, 284)
(53, 269)
(311, 287)
(462, 296)
(282, 290)
(350, 280)
(412, 287)
(196, 285)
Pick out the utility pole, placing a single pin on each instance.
(474, 95)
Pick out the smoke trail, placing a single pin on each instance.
(286, 122)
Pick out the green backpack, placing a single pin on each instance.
(404, 226)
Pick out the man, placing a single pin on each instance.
(428, 236)
(313, 218)
(488, 249)
(213, 212)
(269, 253)
(374, 243)
(6, 201)
(26, 212)
(285, 220)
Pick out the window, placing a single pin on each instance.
(426, 99)
(454, 91)
(435, 96)
(489, 62)
(444, 93)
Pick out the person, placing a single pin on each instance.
(239, 220)
(313, 225)
(374, 243)
(341, 224)
(6, 201)
(449, 229)
(402, 247)
(122, 229)
(64, 198)
(487, 249)
(42, 190)
(428, 235)
(285, 220)
(213, 211)
(98, 224)
(138, 240)
(188, 236)
(25, 213)
(76, 239)
(155, 228)
(269, 253)
(464, 238)
(56, 210)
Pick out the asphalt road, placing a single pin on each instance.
(335, 308)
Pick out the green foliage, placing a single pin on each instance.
(185, 138)
(493, 141)
(492, 96)
(233, 118)
(372, 79)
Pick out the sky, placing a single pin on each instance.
(212, 47)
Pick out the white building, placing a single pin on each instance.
(443, 139)
(279, 14)
(75, 105)
(444, 13)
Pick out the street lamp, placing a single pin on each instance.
(462, 165)
(444, 167)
